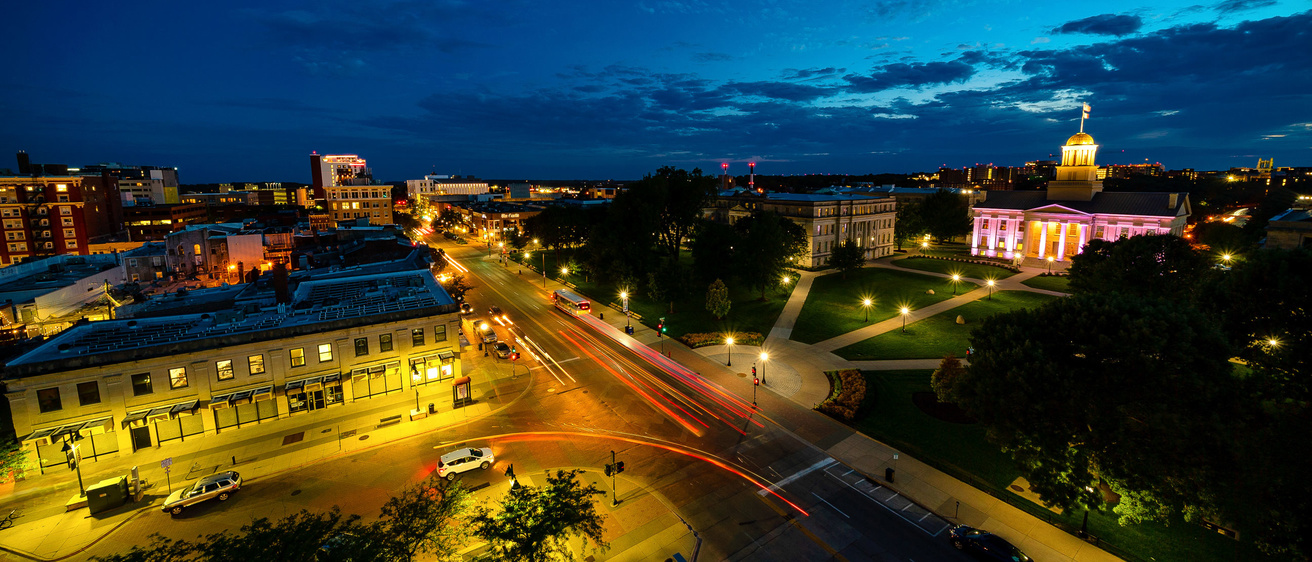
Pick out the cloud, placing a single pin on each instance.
(779, 90)
(1106, 24)
(1038, 40)
(712, 57)
(913, 75)
(1230, 6)
(811, 73)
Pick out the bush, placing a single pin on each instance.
(696, 340)
(850, 391)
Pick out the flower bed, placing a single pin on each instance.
(849, 389)
(1005, 266)
(696, 340)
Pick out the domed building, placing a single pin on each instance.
(1057, 223)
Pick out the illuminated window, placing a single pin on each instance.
(385, 343)
(195, 248)
(298, 357)
(325, 352)
(65, 210)
(224, 370)
(417, 337)
(439, 333)
(256, 364)
(178, 377)
(61, 187)
(141, 384)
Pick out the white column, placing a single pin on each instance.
(1061, 242)
(993, 237)
(1012, 226)
(974, 238)
(1084, 237)
(1043, 239)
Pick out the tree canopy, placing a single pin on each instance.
(847, 256)
(1162, 266)
(767, 244)
(535, 523)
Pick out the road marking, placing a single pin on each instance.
(840, 512)
(780, 484)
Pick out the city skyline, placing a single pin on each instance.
(597, 91)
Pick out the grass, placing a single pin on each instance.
(833, 306)
(747, 312)
(1050, 283)
(962, 451)
(971, 270)
(938, 335)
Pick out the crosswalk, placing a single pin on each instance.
(890, 499)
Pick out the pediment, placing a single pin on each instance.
(1057, 209)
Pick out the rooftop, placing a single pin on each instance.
(817, 197)
(1157, 204)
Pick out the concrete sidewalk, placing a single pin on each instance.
(46, 531)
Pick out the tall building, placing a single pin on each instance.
(1057, 223)
(331, 170)
(154, 222)
(445, 185)
(48, 215)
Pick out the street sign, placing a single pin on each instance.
(166, 463)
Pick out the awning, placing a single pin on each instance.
(241, 397)
(68, 430)
(105, 424)
(332, 377)
(40, 435)
(446, 357)
(263, 393)
(160, 413)
(134, 417)
(297, 385)
(188, 407)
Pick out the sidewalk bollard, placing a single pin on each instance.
(601, 315)
(888, 474)
(234, 460)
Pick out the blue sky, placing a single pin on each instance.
(560, 90)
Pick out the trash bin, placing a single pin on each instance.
(107, 494)
(602, 315)
(888, 474)
(432, 408)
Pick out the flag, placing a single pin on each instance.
(1086, 111)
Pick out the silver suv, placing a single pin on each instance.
(464, 460)
(219, 485)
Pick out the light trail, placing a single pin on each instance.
(694, 430)
(455, 263)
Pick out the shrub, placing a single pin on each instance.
(703, 339)
(850, 391)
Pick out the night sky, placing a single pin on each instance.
(243, 91)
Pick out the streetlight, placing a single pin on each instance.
(764, 357)
(866, 305)
(1050, 260)
(77, 463)
(956, 278)
(624, 296)
(904, 311)
(729, 342)
(563, 272)
(990, 289)
(1273, 342)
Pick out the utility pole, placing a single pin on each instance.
(613, 469)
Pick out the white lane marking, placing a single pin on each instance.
(780, 484)
(840, 512)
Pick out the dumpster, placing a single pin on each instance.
(107, 494)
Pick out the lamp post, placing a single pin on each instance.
(955, 279)
(764, 357)
(77, 463)
(1050, 260)
(624, 296)
(729, 343)
(904, 311)
(1226, 258)
(990, 289)
(865, 303)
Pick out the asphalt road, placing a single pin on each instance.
(742, 478)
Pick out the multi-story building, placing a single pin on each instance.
(351, 340)
(828, 219)
(155, 222)
(1121, 171)
(48, 215)
(1057, 223)
(329, 170)
(445, 185)
(373, 202)
(1290, 229)
(145, 263)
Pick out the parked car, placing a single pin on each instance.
(466, 308)
(502, 350)
(485, 332)
(220, 485)
(464, 460)
(985, 545)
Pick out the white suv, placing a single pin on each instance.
(464, 460)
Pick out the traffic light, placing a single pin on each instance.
(660, 327)
(514, 357)
(756, 381)
(619, 467)
(753, 371)
(610, 469)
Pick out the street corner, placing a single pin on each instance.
(51, 534)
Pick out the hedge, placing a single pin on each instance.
(849, 391)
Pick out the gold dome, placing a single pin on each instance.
(1079, 138)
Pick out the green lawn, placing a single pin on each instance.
(953, 250)
(971, 270)
(1050, 283)
(746, 314)
(833, 306)
(962, 451)
(938, 335)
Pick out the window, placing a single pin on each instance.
(132, 262)
(385, 343)
(48, 400)
(224, 369)
(298, 357)
(417, 337)
(67, 221)
(439, 333)
(256, 363)
(178, 377)
(70, 233)
(361, 347)
(88, 393)
(141, 384)
(325, 352)
(70, 243)
(66, 210)
(195, 248)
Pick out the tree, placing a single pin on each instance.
(908, 224)
(847, 257)
(456, 286)
(1133, 391)
(679, 197)
(621, 245)
(945, 215)
(717, 299)
(534, 524)
(945, 377)
(669, 283)
(13, 458)
(1160, 265)
(713, 250)
(424, 519)
(768, 241)
(300, 536)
